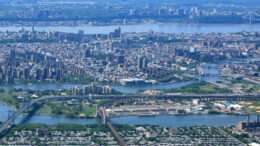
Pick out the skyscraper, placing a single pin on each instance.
(38, 74)
(12, 54)
(142, 62)
(26, 73)
(87, 53)
(145, 63)
(45, 73)
(58, 75)
(120, 59)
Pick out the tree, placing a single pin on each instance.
(2, 90)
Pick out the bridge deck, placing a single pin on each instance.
(230, 97)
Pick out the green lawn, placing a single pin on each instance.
(197, 88)
(89, 111)
(10, 99)
(44, 110)
(66, 111)
(207, 88)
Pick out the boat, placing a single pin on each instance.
(146, 115)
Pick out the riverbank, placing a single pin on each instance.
(10, 99)
(126, 23)
(165, 121)
(198, 88)
(120, 88)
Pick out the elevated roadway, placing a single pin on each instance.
(115, 98)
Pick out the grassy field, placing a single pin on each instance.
(10, 99)
(53, 108)
(89, 111)
(207, 88)
(58, 109)
(44, 110)
(197, 88)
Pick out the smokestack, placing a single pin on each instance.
(257, 118)
(247, 120)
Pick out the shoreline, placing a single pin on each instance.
(133, 23)
(187, 114)
(40, 28)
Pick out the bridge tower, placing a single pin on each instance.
(196, 74)
(27, 102)
(202, 77)
(96, 110)
(10, 114)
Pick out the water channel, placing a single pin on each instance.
(157, 27)
(165, 121)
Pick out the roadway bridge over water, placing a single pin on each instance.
(101, 111)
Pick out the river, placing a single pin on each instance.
(209, 69)
(121, 88)
(165, 121)
(166, 28)
(183, 120)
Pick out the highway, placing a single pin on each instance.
(22, 109)
(242, 97)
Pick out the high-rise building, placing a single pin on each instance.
(86, 90)
(180, 12)
(142, 62)
(26, 73)
(145, 63)
(77, 91)
(132, 12)
(9, 79)
(162, 12)
(110, 46)
(45, 73)
(120, 59)
(94, 89)
(87, 53)
(38, 74)
(12, 54)
(58, 75)
(107, 90)
(116, 33)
